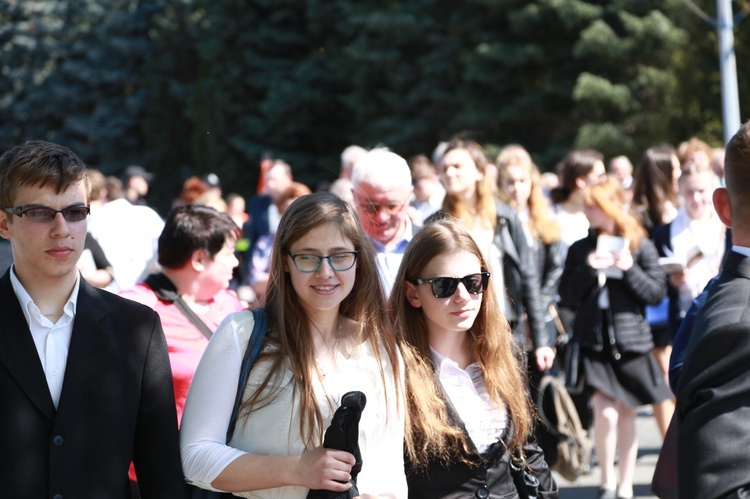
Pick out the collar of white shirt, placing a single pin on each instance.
(30, 308)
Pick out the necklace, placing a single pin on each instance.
(328, 363)
(58, 314)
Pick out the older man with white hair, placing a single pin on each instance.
(381, 188)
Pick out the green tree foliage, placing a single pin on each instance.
(194, 86)
(73, 74)
(626, 92)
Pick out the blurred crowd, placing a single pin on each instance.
(558, 280)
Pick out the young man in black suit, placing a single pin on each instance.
(85, 381)
(713, 398)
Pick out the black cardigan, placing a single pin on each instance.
(643, 284)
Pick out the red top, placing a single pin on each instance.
(185, 341)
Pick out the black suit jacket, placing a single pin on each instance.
(713, 399)
(116, 405)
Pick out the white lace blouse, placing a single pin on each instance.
(483, 419)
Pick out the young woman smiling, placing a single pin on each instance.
(326, 337)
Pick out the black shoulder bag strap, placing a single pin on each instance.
(254, 346)
(166, 290)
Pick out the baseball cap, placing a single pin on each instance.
(137, 171)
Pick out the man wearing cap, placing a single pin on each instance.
(136, 179)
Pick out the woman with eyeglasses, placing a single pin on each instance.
(328, 334)
(469, 411)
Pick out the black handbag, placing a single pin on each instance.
(573, 369)
(254, 346)
(527, 485)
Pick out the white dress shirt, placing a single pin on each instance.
(482, 417)
(52, 339)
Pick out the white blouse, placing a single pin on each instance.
(484, 420)
(274, 429)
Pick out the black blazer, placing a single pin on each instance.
(117, 405)
(713, 398)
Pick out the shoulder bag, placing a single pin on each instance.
(254, 346)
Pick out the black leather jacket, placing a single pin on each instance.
(521, 272)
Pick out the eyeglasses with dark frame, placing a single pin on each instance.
(311, 263)
(444, 287)
(45, 214)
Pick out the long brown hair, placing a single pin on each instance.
(653, 187)
(429, 434)
(610, 198)
(541, 223)
(288, 324)
(485, 209)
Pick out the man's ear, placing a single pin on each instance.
(198, 260)
(410, 293)
(722, 206)
(4, 225)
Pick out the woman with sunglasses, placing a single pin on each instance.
(469, 411)
(328, 334)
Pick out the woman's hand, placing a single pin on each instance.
(624, 259)
(600, 261)
(324, 469)
(544, 357)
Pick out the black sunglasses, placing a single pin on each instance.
(443, 287)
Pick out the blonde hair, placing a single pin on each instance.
(541, 223)
(429, 432)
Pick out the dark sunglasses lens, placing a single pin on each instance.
(475, 283)
(444, 286)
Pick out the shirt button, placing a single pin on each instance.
(54, 372)
(58, 441)
(482, 492)
(57, 496)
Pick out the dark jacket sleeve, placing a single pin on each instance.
(535, 459)
(551, 267)
(156, 452)
(645, 279)
(530, 280)
(578, 278)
